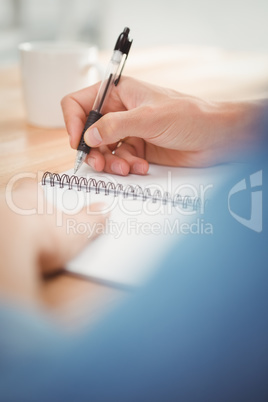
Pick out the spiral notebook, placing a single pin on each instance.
(148, 214)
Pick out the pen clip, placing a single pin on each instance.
(123, 44)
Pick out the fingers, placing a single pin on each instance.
(75, 108)
(103, 159)
(116, 165)
(136, 165)
(128, 158)
(165, 121)
(96, 160)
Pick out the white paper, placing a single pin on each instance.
(138, 233)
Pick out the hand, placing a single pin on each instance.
(143, 123)
(33, 245)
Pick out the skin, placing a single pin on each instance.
(156, 125)
(145, 124)
(42, 247)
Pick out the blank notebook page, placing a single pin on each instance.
(138, 233)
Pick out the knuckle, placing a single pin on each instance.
(66, 100)
(125, 150)
(148, 110)
(63, 101)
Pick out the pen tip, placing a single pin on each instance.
(81, 156)
(77, 166)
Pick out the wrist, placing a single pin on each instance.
(235, 129)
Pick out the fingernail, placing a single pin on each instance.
(117, 168)
(91, 161)
(138, 168)
(93, 137)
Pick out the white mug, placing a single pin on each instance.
(49, 71)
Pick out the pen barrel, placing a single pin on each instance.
(107, 84)
(92, 118)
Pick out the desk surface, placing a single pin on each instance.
(207, 72)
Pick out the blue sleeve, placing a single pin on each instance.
(198, 331)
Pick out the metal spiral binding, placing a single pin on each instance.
(135, 192)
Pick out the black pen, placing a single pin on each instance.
(112, 77)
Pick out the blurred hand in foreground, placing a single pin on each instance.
(35, 244)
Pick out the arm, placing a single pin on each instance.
(32, 245)
(197, 329)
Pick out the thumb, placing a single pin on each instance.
(113, 127)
